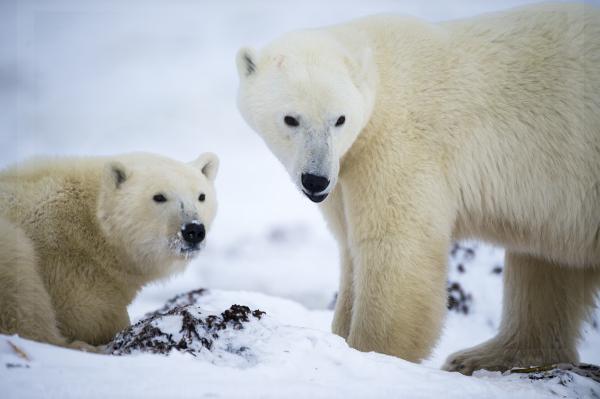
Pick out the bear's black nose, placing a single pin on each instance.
(313, 183)
(193, 233)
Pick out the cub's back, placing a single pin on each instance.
(43, 195)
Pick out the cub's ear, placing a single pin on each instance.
(246, 62)
(208, 163)
(115, 174)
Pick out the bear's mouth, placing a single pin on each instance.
(190, 249)
(190, 252)
(183, 249)
(315, 197)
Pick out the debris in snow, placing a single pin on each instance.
(187, 298)
(16, 366)
(18, 351)
(331, 305)
(458, 299)
(181, 325)
(464, 264)
(562, 371)
(467, 252)
(23, 360)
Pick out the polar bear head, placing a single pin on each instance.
(308, 97)
(157, 210)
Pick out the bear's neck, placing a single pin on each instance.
(406, 89)
(106, 265)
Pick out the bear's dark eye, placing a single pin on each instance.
(201, 198)
(291, 121)
(159, 198)
(340, 121)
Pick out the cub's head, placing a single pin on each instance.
(308, 97)
(156, 209)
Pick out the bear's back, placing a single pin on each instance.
(51, 199)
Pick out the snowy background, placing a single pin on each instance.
(106, 77)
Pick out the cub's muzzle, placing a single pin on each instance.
(193, 233)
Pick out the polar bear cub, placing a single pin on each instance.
(411, 134)
(79, 237)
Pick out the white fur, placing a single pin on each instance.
(317, 144)
(80, 237)
(487, 127)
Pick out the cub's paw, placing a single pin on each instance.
(85, 347)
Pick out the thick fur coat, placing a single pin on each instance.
(485, 128)
(80, 236)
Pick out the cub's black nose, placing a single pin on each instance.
(313, 183)
(193, 233)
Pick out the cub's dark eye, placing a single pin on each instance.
(159, 198)
(201, 197)
(340, 121)
(291, 121)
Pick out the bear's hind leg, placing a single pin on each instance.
(543, 309)
(25, 305)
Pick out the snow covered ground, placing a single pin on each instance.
(288, 355)
(84, 77)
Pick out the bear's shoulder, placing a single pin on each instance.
(38, 168)
(39, 186)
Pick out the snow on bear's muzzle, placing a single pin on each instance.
(189, 239)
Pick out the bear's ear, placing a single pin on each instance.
(246, 62)
(361, 66)
(208, 163)
(115, 174)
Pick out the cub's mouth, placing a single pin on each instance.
(184, 249)
(190, 249)
(315, 197)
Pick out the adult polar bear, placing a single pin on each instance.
(414, 134)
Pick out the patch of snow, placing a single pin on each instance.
(285, 360)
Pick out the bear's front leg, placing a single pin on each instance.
(400, 295)
(333, 210)
(399, 236)
(342, 316)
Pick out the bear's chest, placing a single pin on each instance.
(92, 314)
